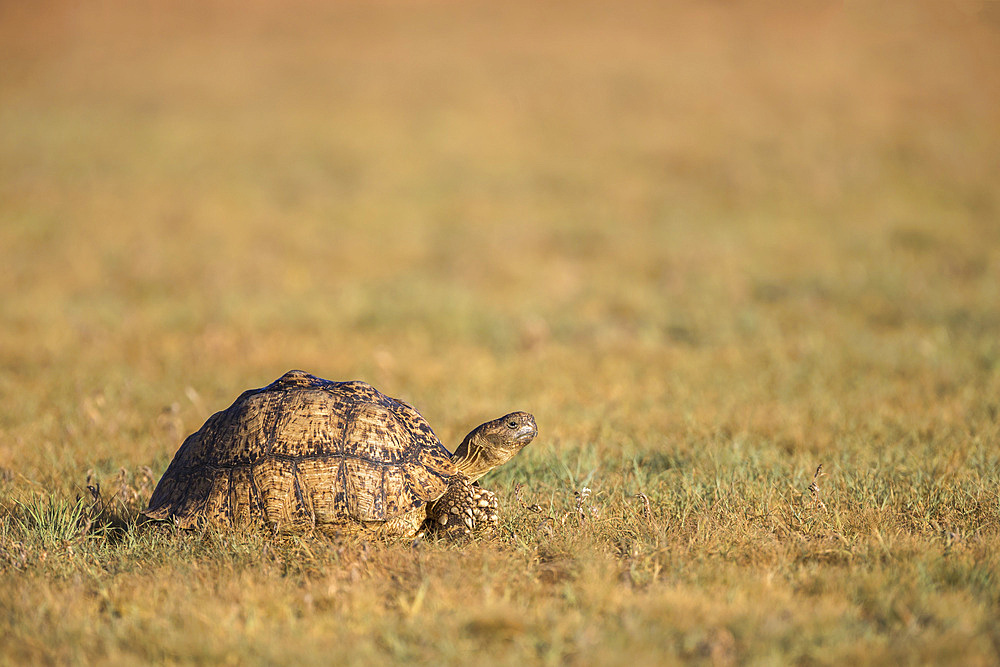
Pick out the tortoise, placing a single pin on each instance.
(340, 457)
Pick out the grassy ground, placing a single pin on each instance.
(711, 246)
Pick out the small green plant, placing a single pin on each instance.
(55, 520)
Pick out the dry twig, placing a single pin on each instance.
(518, 490)
(646, 511)
(814, 487)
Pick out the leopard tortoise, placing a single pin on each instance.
(340, 457)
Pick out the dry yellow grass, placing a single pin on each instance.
(709, 245)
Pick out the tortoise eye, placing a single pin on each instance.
(512, 424)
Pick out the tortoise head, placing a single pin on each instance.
(493, 444)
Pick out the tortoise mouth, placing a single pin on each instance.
(525, 434)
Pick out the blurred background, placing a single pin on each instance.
(657, 225)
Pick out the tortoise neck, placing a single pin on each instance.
(471, 458)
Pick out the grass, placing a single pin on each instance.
(711, 247)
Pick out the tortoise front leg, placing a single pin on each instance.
(465, 507)
(484, 509)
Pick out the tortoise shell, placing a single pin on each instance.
(304, 451)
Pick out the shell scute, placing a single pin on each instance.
(275, 478)
(309, 424)
(374, 433)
